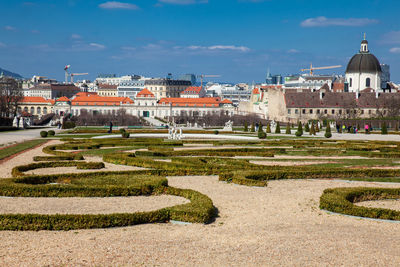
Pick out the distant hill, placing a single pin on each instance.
(10, 74)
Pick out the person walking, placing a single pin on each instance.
(111, 125)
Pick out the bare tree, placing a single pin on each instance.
(10, 96)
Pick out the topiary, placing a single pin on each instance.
(253, 128)
(262, 135)
(288, 131)
(298, 134)
(328, 133)
(125, 135)
(246, 127)
(312, 129)
(260, 128)
(122, 130)
(268, 128)
(216, 132)
(300, 129)
(278, 128)
(317, 128)
(384, 129)
(43, 134)
(68, 125)
(306, 127)
(396, 127)
(51, 133)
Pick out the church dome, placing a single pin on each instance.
(363, 62)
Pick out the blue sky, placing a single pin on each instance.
(237, 39)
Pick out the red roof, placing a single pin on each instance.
(34, 99)
(226, 101)
(145, 93)
(192, 90)
(96, 100)
(204, 101)
(63, 99)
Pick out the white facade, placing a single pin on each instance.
(360, 81)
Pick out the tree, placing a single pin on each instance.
(10, 96)
(278, 128)
(253, 128)
(384, 128)
(268, 128)
(317, 127)
(312, 130)
(260, 128)
(288, 131)
(328, 133)
(299, 130)
(246, 127)
(306, 127)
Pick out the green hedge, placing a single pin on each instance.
(19, 170)
(341, 200)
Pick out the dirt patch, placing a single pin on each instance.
(393, 204)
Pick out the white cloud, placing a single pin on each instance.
(391, 37)
(183, 2)
(220, 48)
(395, 50)
(293, 51)
(9, 28)
(97, 46)
(325, 22)
(118, 5)
(76, 36)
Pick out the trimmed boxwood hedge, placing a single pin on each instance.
(341, 200)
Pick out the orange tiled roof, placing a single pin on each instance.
(93, 100)
(62, 99)
(191, 102)
(226, 101)
(192, 90)
(145, 93)
(34, 99)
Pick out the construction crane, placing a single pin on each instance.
(76, 74)
(206, 76)
(311, 69)
(66, 73)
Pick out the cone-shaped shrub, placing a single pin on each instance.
(312, 130)
(260, 128)
(246, 127)
(252, 129)
(278, 128)
(384, 129)
(328, 133)
(306, 127)
(299, 130)
(288, 131)
(268, 128)
(317, 128)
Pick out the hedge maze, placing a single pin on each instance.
(232, 161)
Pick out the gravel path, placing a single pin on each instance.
(393, 204)
(273, 226)
(86, 205)
(287, 163)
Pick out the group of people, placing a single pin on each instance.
(352, 129)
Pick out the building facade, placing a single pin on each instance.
(162, 88)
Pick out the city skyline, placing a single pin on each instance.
(238, 40)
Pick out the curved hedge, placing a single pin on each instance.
(341, 200)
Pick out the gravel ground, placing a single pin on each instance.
(287, 163)
(273, 226)
(87, 205)
(393, 204)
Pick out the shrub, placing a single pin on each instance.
(268, 128)
(262, 135)
(288, 131)
(246, 127)
(299, 130)
(68, 125)
(253, 128)
(312, 129)
(125, 135)
(216, 132)
(328, 133)
(122, 130)
(51, 133)
(396, 129)
(278, 128)
(384, 129)
(306, 127)
(316, 128)
(43, 134)
(298, 134)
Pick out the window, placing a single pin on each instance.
(340, 111)
(368, 82)
(288, 111)
(311, 111)
(333, 111)
(296, 111)
(369, 112)
(318, 111)
(326, 111)
(303, 111)
(351, 82)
